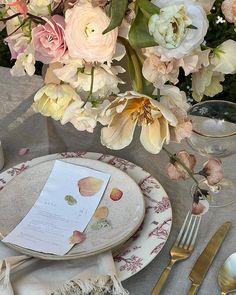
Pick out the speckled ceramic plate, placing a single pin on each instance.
(152, 235)
(123, 203)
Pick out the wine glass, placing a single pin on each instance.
(214, 136)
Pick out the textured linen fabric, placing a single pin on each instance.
(21, 127)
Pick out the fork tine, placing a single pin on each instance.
(195, 234)
(192, 232)
(182, 229)
(189, 226)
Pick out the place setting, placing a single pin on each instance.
(117, 147)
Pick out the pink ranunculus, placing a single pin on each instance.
(176, 171)
(213, 171)
(49, 40)
(229, 10)
(84, 33)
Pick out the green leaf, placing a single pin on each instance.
(118, 8)
(192, 27)
(139, 36)
(148, 8)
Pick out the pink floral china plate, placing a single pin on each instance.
(118, 216)
(147, 242)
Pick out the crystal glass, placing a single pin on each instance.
(214, 136)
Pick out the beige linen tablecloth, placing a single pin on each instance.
(21, 127)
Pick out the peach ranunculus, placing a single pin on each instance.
(131, 109)
(229, 10)
(176, 171)
(84, 33)
(49, 40)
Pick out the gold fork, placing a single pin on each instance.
(182, 248)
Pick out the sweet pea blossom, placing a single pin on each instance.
(192, 38)
(52, 100)
(20, 6)
(83, 116)
(84, 33)
(224, 60)
(78, 75)
(176, 171)
(40, 7)
(229, 10)
(49, 40)
(213, 171)
(131, 109)
(25, 63)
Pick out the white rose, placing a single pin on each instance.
(40, 7)
(193, 37)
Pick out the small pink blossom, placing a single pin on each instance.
(200, 208)
(49, 40)
(19, 5)
(175, 171)
(23, 151)
(184, 127)
(229, 10)
(213, 171)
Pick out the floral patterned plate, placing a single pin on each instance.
(148, 241)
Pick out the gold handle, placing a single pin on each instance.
(193, 290)
(160, 283)
(223, 293)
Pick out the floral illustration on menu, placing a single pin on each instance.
(89, 186)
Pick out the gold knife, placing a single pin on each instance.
(206, 258)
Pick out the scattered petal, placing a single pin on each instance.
(101, 212)
(200, 208)
(101, 223)
(70, 200)
(77, 237)
(116, 194)
(89, 186)
(23, 151)
(212, 171)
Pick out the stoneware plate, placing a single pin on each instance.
(152, 235)
(123, 205)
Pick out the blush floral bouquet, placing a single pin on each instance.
(83, 42)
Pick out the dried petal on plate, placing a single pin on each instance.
(200, 208)
(101, 223)
(89, 186)
(70, 200)
(23, 151)
(116, 194)
(77, 237)
(101, 212)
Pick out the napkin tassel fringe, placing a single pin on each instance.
(5, 269)
(98, 286)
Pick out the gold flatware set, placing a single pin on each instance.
(183, 249)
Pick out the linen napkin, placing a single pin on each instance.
(93, 275)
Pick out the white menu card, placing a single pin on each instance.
(63, 210)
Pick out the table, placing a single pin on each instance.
(21, 127)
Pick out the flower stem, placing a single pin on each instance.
(91, 85)
(191, 174)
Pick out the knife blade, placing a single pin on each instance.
(206, 258)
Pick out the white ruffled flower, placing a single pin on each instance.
(40, 7)
(193, 37)
(25, 63)
(169, 27)
(83, 117)
(224, 61)
(105, 80)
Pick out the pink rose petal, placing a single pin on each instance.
(23, 151)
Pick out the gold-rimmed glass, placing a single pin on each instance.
(214, 136)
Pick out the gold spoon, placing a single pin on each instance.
(227, 275)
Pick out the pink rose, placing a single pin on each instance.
(84, 37)
(49, 40)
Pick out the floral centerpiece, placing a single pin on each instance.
(83, 43)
